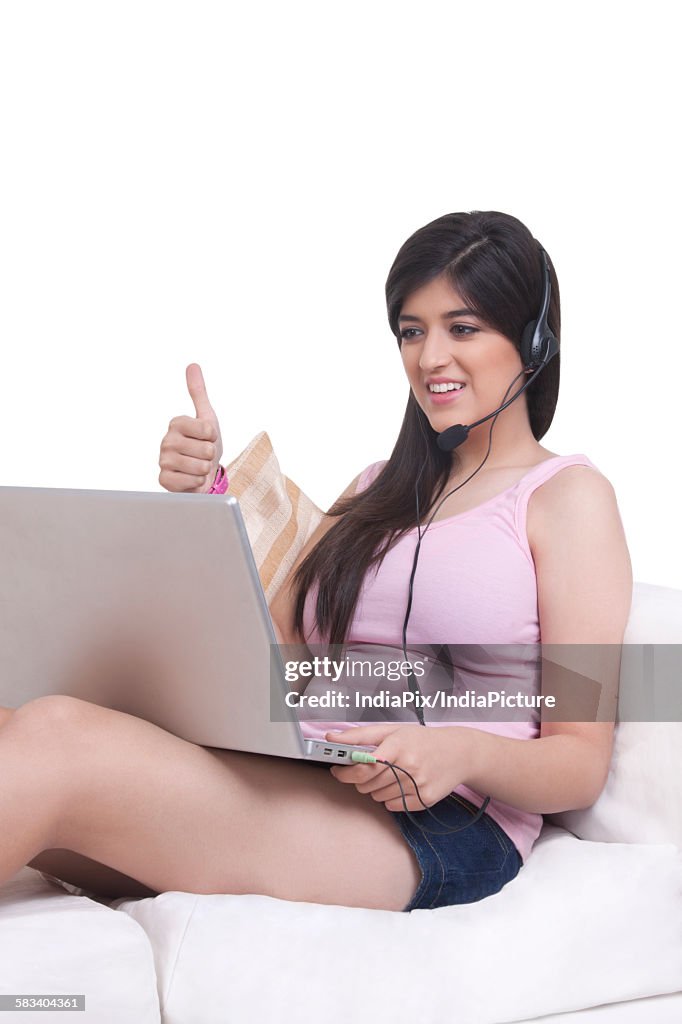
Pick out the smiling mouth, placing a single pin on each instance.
(440, 387)
(445, 397)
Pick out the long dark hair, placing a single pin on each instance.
(494, 263)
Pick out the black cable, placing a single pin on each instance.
(411, 681)
(431, 831)
(413, 685)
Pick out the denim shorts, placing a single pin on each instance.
(460, 867)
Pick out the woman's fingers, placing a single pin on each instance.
(198, 393)
(192, 447)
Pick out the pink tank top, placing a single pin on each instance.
(475, 584)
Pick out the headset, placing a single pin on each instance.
(538, 345)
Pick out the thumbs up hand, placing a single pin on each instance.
(192, 448)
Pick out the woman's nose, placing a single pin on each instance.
(436, 351)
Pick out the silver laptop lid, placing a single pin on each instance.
(146, 603)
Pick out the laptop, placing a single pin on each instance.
(150, 604)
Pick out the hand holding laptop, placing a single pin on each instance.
(192, 448)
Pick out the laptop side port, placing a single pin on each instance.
(327, 750)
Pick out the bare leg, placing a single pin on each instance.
(175, 816)
(79, 870)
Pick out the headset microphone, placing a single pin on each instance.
(452, 437)
(538, 345)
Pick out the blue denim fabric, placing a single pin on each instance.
(461, 867)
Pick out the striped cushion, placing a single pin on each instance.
(278, 516)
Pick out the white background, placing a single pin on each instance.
(229, 184)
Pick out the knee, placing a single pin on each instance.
(53, 716)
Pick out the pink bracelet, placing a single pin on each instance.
(220, 483)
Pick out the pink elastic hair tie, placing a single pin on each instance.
(220, 483)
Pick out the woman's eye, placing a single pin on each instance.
(459, 330)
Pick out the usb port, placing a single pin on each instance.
(341, 753)
(327, 750)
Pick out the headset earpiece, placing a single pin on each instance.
(527, 344)
(538, 342)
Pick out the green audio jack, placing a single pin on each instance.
(363, 757)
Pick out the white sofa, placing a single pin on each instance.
(589, 931)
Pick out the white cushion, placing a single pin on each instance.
(51, 943)
(653, 1010)
(582, 924)
(642, 799)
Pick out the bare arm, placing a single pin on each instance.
(584, 578)
(552, 773)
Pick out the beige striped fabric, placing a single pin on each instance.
(278, 516)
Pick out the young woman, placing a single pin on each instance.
(532, 547)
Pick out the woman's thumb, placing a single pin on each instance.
(197, 390)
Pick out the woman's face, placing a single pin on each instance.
(441, 340)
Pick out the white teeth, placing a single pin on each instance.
(446, 387)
